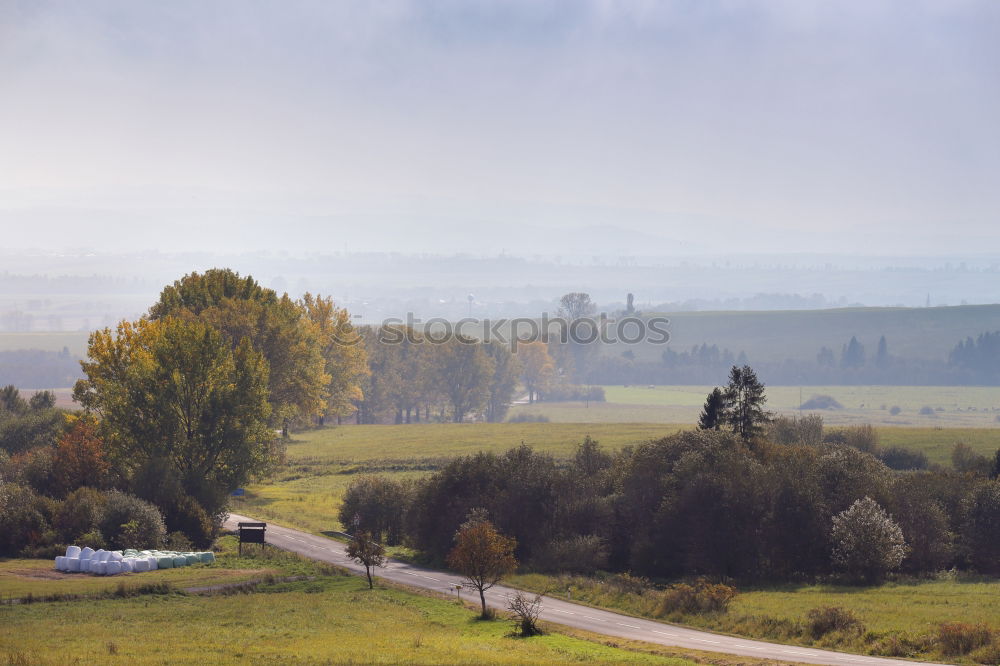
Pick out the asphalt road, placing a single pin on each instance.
(559, 611)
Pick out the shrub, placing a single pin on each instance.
(862, 437)
(822, 402)
(524, 612)
(80, 513)
(808, 430)
(964, 459)
(177, 541)
(990, 654)
(827, 619)
(524, 417)
(24, 518)
(187, 516)
(578, 554)
(702, 597)
(568, 392)
(375, 504)
(123, 509)
(93, 538)
(958, 638)
(898, 458)
(868, 543)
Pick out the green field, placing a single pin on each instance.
(328, 617)
(20, 577)
(321, 463)
(906, 612)
(953, 406)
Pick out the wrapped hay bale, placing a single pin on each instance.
(115, 556)
(85, 565)
(207, 558)
(86, 553)
(165, 562)
(152, 563)
(100, 568)
(192, 558)
(128, 565)
(59, 562)
(101, 555)
(140, 565)
(73, 563)
(180, 561)
(72, 551)
(112, 567)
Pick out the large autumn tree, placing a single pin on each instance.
(175, 390)
(284, 332)
(343, 353)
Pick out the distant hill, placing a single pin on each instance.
(914, 333)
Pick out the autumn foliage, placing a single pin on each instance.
(80, 458)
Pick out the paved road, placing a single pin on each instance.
(562, 612)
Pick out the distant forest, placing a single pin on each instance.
(973, 361)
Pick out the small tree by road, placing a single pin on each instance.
(365, 550)
(482, 555)
(524, 610)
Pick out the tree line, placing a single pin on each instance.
(704, 503)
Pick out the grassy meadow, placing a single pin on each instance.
(951, 406)
(898, 618)
(328, 616)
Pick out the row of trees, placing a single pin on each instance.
(704, 502)
(972, 361)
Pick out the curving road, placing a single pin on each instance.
(563, 612)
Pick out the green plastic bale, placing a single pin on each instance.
(207, 558)
(192, 558)
(164, 563)
(180, 561)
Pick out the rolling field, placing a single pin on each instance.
(331, 617)
(321, 463)
(907, 612)
(952, 406)
(334, 620)
(20, 577)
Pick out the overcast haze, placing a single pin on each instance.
(673, 127)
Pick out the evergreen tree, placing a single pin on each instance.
(882, 355)
(745, 398)
(713, 413)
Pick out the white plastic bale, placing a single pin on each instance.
(72, 551)
(86, 553)
(128, 565)
(73, 563)
(140, 565)
(152, 562)
(59, 562)
(85, 565)
(103, 556)
(100, 568)
(115, 556)
(113, 567)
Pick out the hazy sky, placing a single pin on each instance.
(648, 127)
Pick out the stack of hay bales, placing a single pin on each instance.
(113, 562)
